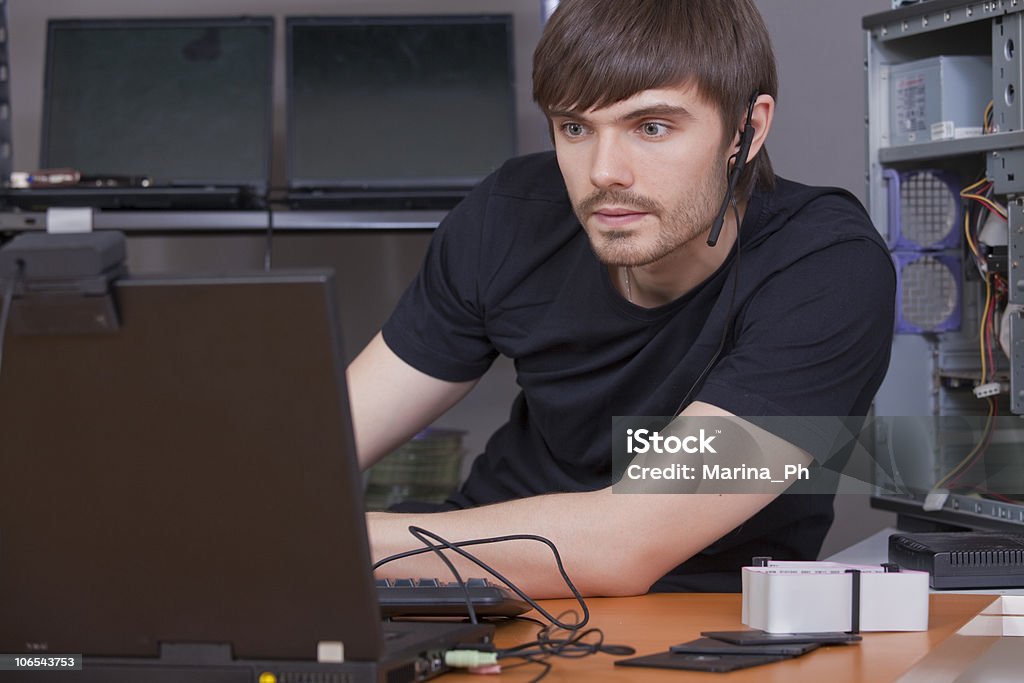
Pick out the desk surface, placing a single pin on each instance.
(652, 623)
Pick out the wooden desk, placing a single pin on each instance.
(651, 623)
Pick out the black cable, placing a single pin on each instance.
(5, 313)
(422, 538)
(543, 674)
(545, 643)
(545, 646)
(728, 318)
(457, 547)
(571, 647)
(531, 660)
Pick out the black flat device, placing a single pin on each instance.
(757, 637)
(713, 646)
(962, 559)
(701, 662)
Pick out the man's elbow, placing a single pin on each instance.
(623, 577)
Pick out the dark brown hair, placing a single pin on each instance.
(594, 53)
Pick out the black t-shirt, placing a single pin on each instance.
(511, 271)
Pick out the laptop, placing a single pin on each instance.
(397, 112)
(181, 499)
(156, 114)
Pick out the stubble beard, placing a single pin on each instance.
(677, 226)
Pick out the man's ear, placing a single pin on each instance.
(761, 117)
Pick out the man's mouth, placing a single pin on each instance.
(616, 216)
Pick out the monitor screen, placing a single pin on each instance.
(399, 101)
(178, 100)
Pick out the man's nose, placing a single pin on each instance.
(610, 165)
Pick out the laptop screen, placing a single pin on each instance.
(399, 102)
(183, 101)
(187, 478)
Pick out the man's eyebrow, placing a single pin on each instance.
(665, 110)
(565, 114)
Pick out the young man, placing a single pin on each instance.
(590, 268)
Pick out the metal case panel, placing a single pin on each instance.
(1007, 43)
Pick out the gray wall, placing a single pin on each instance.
(819, 134)
(818, 137)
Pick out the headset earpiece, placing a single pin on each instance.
(746, 138)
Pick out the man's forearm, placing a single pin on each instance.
(611, 544)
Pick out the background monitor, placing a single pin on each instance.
(399, 101)
(180, 100)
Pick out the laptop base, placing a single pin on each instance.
(421, 660)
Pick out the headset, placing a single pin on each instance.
(746, 137)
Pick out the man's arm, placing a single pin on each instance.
(611, 543)
(391, 400)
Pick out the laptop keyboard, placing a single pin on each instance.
(436, 598)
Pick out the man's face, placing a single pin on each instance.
(646, 175)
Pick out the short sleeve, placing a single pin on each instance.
(814, 340)
(437, 326)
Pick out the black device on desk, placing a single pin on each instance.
(397, 112)
(962, 559)
(180, 497)
(186, 102)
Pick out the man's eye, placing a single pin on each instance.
(654, 130)
(573, 130)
